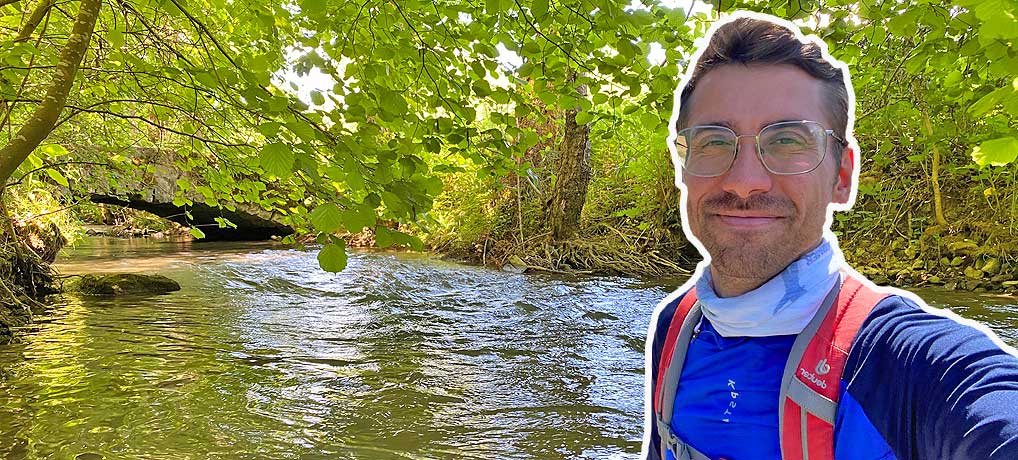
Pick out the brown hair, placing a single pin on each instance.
(757, 41)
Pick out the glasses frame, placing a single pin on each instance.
(759, 150)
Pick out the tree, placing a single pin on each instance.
(572, 175)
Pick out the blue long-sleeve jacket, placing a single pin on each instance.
(916, 386)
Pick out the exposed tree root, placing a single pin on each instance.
(614, 253)
(24, 275)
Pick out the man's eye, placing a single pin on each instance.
(786, 141)
(715, 143)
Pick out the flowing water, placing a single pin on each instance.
(402, 356)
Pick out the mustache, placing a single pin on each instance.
(727, 201)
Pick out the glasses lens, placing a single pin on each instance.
(793, 147)
(706, 150)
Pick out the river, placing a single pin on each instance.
(400, 356)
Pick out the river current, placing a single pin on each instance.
(400, 356)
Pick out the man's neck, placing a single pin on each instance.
(732, 286)
(732, 283)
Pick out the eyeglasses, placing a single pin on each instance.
(784, 148)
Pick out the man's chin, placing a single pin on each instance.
(743, 260)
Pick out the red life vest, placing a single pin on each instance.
(810, 384)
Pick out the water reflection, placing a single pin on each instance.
(263, 355)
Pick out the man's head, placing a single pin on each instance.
(760, 210)
(753, 41)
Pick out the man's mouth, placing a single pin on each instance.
(747, 219)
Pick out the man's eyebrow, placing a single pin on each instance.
(728, 124)
(784, 120)
(725, 123)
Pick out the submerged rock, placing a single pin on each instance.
(122, 284)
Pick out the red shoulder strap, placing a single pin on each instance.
(819, 371)
(681, 311)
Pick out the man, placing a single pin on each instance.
(775, 349)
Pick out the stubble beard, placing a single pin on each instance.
(750, 254)
(757, 257)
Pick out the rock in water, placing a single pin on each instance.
(515, 265)
(121, 284)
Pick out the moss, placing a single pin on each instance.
(122, 284)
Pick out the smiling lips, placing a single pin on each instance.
(747, 220)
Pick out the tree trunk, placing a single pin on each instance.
(938, 202)
(572, 177)
(32, 133)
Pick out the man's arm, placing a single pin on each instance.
(934, 388)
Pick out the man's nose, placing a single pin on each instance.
(747, 176)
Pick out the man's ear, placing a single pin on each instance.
(843, 184)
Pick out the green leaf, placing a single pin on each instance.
(495, 6)
(53, 150)
(302, 129)
(1001, 24)
(269, 129)
(225, 223)
(57, 177)
(393, 103)
(985, 103)
(116, 38)
(313, 7)
(583, 118)
(996, 152)
(277, 159)
(358, 217)
(317, 98)
(332, 257)
(383, 237)
(539, 8)
(354, 179)
(327, 218)
(481, 88)
(197, 233)
(952, 78)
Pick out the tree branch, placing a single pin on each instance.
(554, 43)
(41, 122)
(205, 30)
(34, 20)
(53, 165)
(157, 125)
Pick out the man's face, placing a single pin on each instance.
(754, 223)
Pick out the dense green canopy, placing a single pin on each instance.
(428, 88)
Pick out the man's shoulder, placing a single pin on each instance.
(903, 318)
(950, 374)
(904, 333)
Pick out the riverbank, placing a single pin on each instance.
(958, 270)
